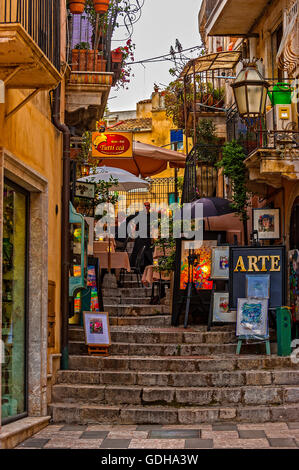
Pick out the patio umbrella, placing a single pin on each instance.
(126, 181)
(147, 160)
(213, 206)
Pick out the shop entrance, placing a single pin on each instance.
(14, 302)
(294, 227)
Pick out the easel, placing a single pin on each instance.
(96, 350)
(260, 338)
(190, 288)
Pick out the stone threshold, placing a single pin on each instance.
(13, 434)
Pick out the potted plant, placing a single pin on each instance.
(85, 59)
(117, 55)
(101, 6)
(76, 6)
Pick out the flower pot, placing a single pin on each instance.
(116, 56)
(76, 6)
(84, 60)
(101, 6)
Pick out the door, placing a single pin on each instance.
(14, 302)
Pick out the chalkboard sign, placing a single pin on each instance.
(268, 261)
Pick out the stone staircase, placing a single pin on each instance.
(157, 374)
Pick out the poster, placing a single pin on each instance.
(202, 265)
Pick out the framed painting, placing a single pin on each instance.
(252, 317)
(258, 286)
(221, 312)
(267, 223)
(220, 262)
(202, 265)
(96, 329)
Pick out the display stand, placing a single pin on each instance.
(101, 351)
(242, 338)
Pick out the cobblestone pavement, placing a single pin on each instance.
(201, 436)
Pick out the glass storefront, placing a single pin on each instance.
(14, 301)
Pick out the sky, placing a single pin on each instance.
(161, 23)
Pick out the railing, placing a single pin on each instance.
(88, 47)
(41, 20)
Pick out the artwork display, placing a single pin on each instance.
(252, 317)
(220, 262)
(258, 286)
(202, 265)
(267, 223)
(294, 283)
(221, 312)
(96, 328)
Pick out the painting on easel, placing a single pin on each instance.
(97, 331)
(202, 265)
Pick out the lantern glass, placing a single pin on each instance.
(250, 91)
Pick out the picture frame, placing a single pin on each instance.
(221, 312)
(96, 329)
(258, 286)
(202, 265)
(220, 263)
(252, 317)
(267, 223)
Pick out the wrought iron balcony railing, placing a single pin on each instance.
(41, 20)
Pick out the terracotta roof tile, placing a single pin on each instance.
(131, 124)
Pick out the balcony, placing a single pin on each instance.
(234, 17)
(91, 73)
(30, 44)
(271, 148)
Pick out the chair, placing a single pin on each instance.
(134, 269)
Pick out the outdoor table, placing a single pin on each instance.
(119, 260)
(150, 275)
(102, 246)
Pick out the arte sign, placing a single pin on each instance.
(247, 262)
(112, 144)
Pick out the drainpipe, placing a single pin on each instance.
(65, 241)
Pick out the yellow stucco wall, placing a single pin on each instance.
(31, 137)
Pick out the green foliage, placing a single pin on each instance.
(207, 141)
(82, 45)
(235, 169)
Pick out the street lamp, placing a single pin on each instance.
(250, 91)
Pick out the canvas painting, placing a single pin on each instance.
(252, 317)
(220, 262)
(202, 265)
(221, 312)
(97, 330)
(258, 286)
(267, 223)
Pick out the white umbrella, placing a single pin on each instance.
(126, 181)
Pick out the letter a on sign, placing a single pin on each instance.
(2, 92)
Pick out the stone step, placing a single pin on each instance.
(152, 321)
(137, 310)
(140, 349)
(168, 336)
(180, 379)
(131, 284)
(182, 396)
(225, 363)
(127, 292)
(126, 300)
(74, 413)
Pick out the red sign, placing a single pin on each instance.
(114, 144)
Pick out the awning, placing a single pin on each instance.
(234, 17)
(214, 61)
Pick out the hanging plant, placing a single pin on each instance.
(76, 6)
(101, 6)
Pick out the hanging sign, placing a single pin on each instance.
(248, 265)
(112, 144)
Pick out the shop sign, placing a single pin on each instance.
(86, 190)
(268, 261)
(112, 144)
